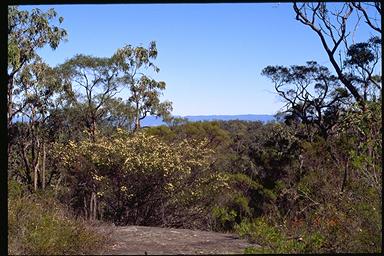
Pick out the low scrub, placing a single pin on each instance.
(274, 239)
(38, 224)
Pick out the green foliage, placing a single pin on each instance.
(142, 171)
(162, 131)
(16, 189)
(311, 191)
(275, 240)
(224, 217)
(31, 85)
(145, 91)
(252, 250)
(309, 185)
(259, 232)
(365, 151)
(98, 80)
(38, 224)
(29, 31)
(119, 114)
(312, 94)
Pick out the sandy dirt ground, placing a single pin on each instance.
(139, 240)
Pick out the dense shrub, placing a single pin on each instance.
(140, 179)
(320, 193)
(324, 190)
(283, 191)
(39, 225)
(272, 239)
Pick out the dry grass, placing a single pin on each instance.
(39, 225)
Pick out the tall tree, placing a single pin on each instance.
(330, 24)
(90, 82)
(362, 9)
(119, 114)
(27, 32)
(312, 94)
(37, 86)
(145, 91)
(360, 64)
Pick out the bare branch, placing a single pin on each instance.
(358, 6)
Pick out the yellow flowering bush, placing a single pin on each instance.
(140, 179)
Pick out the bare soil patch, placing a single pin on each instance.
(140, 240)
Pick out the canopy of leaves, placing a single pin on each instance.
(29, 31)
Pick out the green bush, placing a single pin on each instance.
(132, 173)
(224, 217)
(260, 232)
(38, 225)
(273, 239)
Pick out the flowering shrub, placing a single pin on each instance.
(140, 179)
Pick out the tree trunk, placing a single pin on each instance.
(36, 176)
(9, 110)
(85, 208)
(93, 129)
(343, 185)
(58, 182)
(36, 159)
(43, 166)
(137, 123)
(93, 207)
(101, 212)
(163, 213)
(137, 118)
(27, 164)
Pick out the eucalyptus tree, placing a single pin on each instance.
(357, 66)
(120, 114)
(331, 23)
(363, 11)
(145, 91)
(361, 64)
(27, 32)
(89, 83)
(311, 94)
(37, 87)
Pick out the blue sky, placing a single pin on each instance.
(210, 55)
